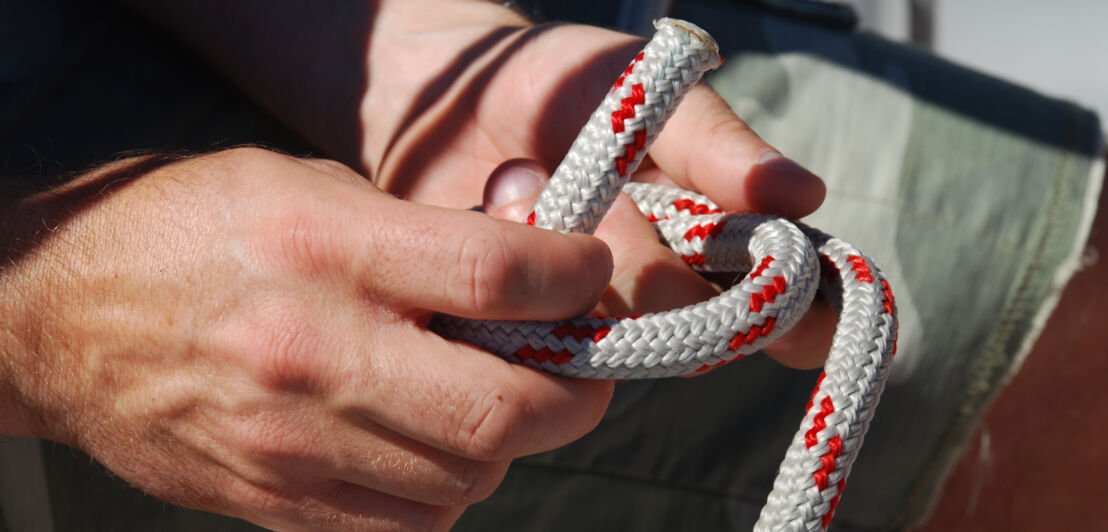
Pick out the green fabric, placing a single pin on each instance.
(971, 195)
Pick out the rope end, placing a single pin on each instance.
(694, 31)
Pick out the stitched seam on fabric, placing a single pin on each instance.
(983, 387)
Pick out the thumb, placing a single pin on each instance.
(512, 189)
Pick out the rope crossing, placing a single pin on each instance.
(784, 261)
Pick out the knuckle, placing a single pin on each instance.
(297, 239)
(728, 126)
(489, 427)
(285, 349)
(258, 500)
(487, 273)
(468, 483)
(344, 506)
(269, 439)
(478, 481)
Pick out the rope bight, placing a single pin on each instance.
(783, 260)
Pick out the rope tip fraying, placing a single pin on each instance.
(694, 31)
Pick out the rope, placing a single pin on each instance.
(783, 260)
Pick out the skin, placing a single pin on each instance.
(232, 352)
(434, 126)
(245, 332)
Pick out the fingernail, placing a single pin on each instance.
(784, 186)
(513, 184)
(779, 163)
(787, 168)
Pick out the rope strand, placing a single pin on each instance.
(782, 258)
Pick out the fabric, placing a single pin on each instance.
(972, 194)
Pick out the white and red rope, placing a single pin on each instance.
(783, 260)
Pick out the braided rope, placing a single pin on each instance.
(783, 261)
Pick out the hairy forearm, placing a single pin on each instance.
(24, 278)
(15, 420)
(17, 355)
(313, 64)
(47, 230)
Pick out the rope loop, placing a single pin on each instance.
(781, 262)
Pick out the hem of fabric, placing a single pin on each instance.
(973, 411)
(1067, 267)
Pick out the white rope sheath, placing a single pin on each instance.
(783, 261)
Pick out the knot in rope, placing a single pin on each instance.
(781, 261)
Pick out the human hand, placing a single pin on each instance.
(429, 97)
(526, 97)
(245, 333)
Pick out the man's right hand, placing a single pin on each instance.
(245, 332)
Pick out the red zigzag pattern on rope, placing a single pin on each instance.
(627, 71)
(768, 294)
(835, 448)
(619, 116)
(578, 332)
(693, 207)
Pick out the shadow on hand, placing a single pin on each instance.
(35, 209)
(575, 94)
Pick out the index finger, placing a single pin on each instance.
(705, 147)
(468, 264)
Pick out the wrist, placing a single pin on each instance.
(22, 378)
(15, 415)
(46, 247)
